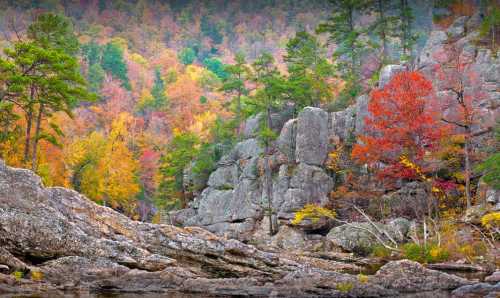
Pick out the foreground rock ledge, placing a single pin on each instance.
(80, 246)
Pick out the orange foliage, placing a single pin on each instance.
(401, 122)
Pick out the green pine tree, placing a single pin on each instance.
(113, 62)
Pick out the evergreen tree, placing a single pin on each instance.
(309, 71)
(349, 40)
(234, 84)
(95, 77)
(406, 34)
(158, 92)
(91, 53)
(113, 62)
(43, 76)
(268, 96)
(216, 66)
(187, 56)
(384, 26)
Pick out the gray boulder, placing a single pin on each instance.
(251, 127)
(312, 136)
(286, 139)
(493, 198)
(477, 290)
(342, 125)
(360, 237)
(409, 201)
(308, 184)
(361, 113)
(224, 177)
(247, 149)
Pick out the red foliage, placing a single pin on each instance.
(403, 122)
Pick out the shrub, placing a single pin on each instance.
(344, 287)
(381, 251)
(429, 254)
(312, 212)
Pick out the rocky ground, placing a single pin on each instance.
(62, 242)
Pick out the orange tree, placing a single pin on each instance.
(402, 124)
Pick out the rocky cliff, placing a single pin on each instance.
(234, 203)
(59, 242)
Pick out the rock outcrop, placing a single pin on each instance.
(60, 241)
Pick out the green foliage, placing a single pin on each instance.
(113, 62)
(211, 30)
(181, 150)
(309, 71)
(8, 118)
(491, 166)
(186, 56)
(158, 92)
(425, 254)
(380, 251)
(95, 77)
(92, 53)
(54, 31)
(491, 23)
(217, 67)
(234, 84)
(345, 287)
(348, 38)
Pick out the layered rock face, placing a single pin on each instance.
(63, 242)
(234, 203)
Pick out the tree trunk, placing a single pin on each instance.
(467, 166)
(268, 178)
(27, 141)
(35, 141)
(238, 115)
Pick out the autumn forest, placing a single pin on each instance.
(146, 106)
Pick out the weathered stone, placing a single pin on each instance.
(477, 290)
(312, 136)
(493, 278)
(493, 198)
(387, 72)
(308, 184)
(224, 177)
(342, 125)
(360, 236)
(457, 28)
(252, 126)
(289, 238)
(361, 113)
(80, 246)
(286, 139)
(409, 201)
(408, 276)
(475, 213)
(247, 149)
(433, 45)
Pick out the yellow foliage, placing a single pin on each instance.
(344, 287)
(202, 125)
(36, 275)
(312, 212)
(332, 162)
(491, 220)
(139, 59)
(406, 162)
(104, 165)
(363, 278)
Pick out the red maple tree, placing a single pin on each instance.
(402, 124)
